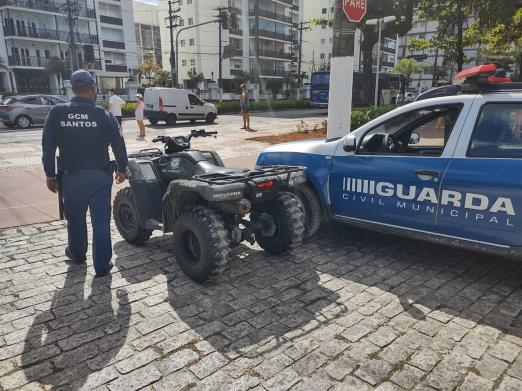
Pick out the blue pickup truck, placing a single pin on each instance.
(446, 169)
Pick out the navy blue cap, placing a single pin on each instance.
(82, 78)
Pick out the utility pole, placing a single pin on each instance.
(72, 10)
(300, 60)
(171, 27)
(223, 24)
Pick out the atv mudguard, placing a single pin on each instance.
(188, 192)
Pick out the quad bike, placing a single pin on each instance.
(191, 194)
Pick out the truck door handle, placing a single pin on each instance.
(427, 173)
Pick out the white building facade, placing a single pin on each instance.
(34, 31)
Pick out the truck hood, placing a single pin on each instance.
(320, 146)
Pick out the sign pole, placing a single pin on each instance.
(378, 70)
(341, 72)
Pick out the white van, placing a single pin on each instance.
(173, 104)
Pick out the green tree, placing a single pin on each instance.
(453, 17)
(195, 78)
(56, 67)
(163, 79)
(408, 66)
(147, 69)
(242, 77)
(274, 86)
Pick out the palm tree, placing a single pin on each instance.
(162, 79)
(408, 66)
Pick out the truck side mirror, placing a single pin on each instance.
(350, 144)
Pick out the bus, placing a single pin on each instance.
(320, 87)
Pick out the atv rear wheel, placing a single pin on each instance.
(313, 212)
(126, 218)
(201, 243)
(284, 221)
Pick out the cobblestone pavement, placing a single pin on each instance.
(349, 310)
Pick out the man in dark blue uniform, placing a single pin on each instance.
(82, 132)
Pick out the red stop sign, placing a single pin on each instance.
(354, 9)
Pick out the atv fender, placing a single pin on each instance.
(182, 193)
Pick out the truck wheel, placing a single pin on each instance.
(313, 212)
(126, 218)
(171, 119)
(210, 118)
(153, 121)
(284, 221)
(201, 243)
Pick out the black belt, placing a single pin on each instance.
(71, 172)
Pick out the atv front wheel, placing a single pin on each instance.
(126, 218)
(201, 243)
(283, 219)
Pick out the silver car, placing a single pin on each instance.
(25, 111)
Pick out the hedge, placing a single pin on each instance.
(362, 116)
(262, 105)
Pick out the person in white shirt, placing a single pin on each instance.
(115, 105)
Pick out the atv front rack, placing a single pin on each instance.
(237, 177)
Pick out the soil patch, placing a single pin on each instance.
(288, 137)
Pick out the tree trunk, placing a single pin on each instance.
(367, 44)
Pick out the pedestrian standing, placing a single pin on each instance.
(244, 102)
(82, 133)
(115, 105)
(139, 116)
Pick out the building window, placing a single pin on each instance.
(184, 63)
(325, 10)
(322, 56)
(182, 42)
(181, 22)
(190, 21)
(189, 1)
(192, 62)
(191, 42)
(323, 41)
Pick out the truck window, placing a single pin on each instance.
(194, 100)
(498, 132)
(421, 132)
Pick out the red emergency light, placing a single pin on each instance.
(482, 74)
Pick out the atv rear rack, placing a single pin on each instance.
(261, 172)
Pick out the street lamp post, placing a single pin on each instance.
(379, 23)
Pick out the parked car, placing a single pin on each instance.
(26, 111)
(445, 169)
(407, 98)
(173, 104)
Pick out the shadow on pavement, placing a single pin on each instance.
(59, 338)
(262, 302)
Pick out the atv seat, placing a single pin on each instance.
(206, 168)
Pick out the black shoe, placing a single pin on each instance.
(98, 275)
(72, 258)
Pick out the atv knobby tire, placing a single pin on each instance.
(312, 208)
(126, 218)
(287, 214)
(201, 243)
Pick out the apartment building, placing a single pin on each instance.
(34, 31)
(263, 41)
(148, 32)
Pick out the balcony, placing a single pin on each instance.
(52, 35)
(289, 2)
(271, 15)
(113, 44)
(273, 72)
(236, 32)
(27, 61)
(111, 20)
(49, 6)
(116, 68)
(237, 72)
(274, 54)
(271, 34)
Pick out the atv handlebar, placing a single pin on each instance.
(193, 134)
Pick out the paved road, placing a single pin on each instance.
(24, 198)
(349, 310)
(35, 133)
